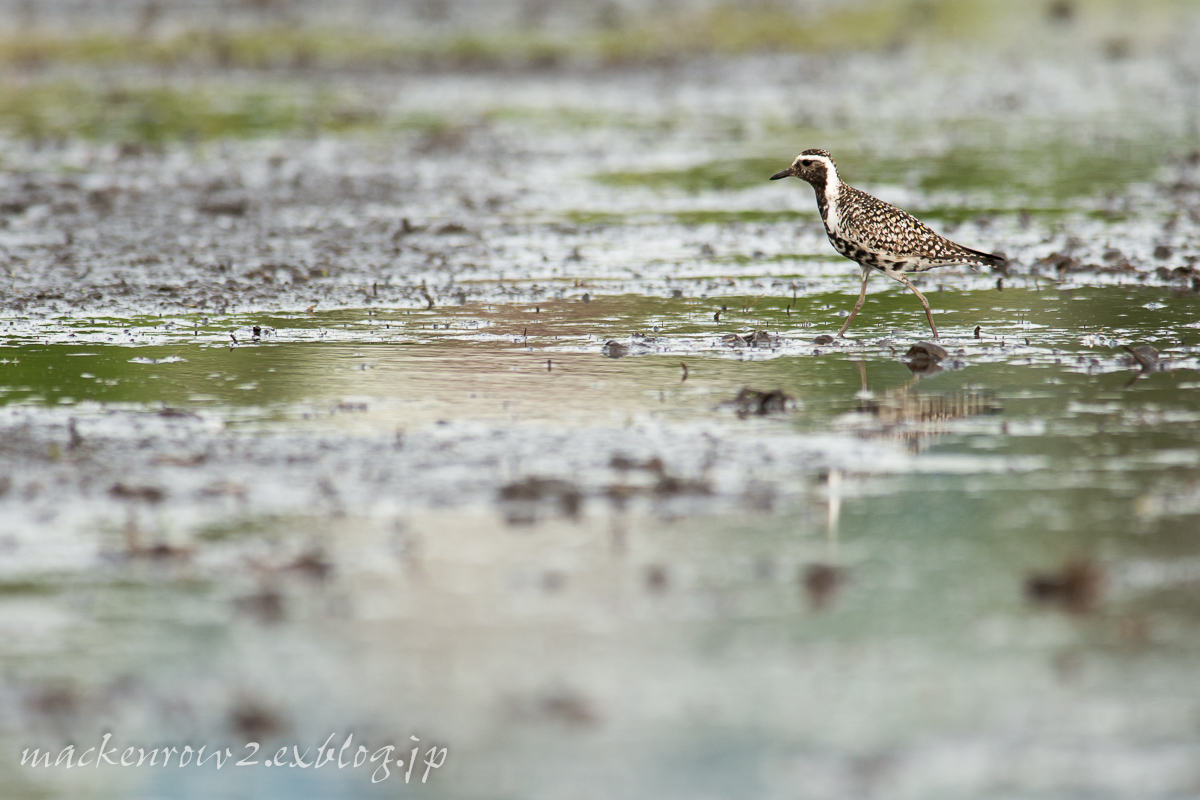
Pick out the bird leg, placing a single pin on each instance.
(862, 296)
(924, 303)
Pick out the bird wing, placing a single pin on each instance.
(886, 230)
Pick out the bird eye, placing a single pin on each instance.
(807, 162)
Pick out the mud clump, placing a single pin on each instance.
(638, 343)
(231, 205)
(751, 339)
(146, 494)
(1064, 263)
(255, 722)
(656, 579)
(927, 351)
(655, 482)
(626, 464)
(1075, 587)
(313, 565)
(926, 357)
(1145, 357)
(159, 552)
(267, 606)
(522, 500)
(60, 705)
(821, 583)
(751, 402)
(570, 709)
(672, 486)
(614, 349)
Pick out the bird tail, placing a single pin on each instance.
(985, 259)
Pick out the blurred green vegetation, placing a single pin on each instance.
(1056, 168)
(596, 218)
(727, 29)
(710, 176)
(746, 216)
(1045, 170)
(691, 217)
(163, 113)
(47, 89)
(171, 112)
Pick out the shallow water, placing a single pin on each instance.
(314, 522)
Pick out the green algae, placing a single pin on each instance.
(1055, 170)
(648, 36)
(725, 29)
(158, 114)
(720, 175)
(743, 217)
(595, 218)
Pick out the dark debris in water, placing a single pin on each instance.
(925, 358)
(625, 464)
(234, 205)
(255, 722)
(752, 402)
(159, 551)
(1189, 274)
(1143, 356)
(522, 500)
(266, 606)
(571, 709)
(751, 339)
(650, 479)
(927, 351)
(673, 486)
(1075, 587)
(639, 343)
(657, 579)
(60, 704)
(558, 706)
(614, 349)
(146, 494)
(821, 583)
(312, 564)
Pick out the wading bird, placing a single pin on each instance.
(875, 234)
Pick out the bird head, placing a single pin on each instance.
(814, 166)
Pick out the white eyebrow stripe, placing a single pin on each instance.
(811, 157)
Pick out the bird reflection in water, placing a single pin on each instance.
(913, 418)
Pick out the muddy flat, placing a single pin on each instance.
(482, 389)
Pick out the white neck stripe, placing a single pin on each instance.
(833, 190)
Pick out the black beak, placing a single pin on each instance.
(787, 173)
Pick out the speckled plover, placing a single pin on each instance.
(875, 234)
